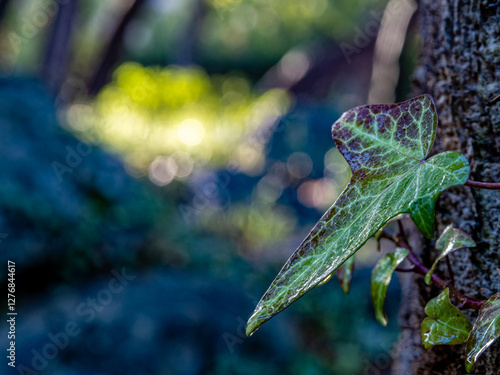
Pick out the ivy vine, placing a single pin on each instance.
(387, 148)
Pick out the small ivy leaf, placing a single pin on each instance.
(450, 240)
(381, 277)
(386, 147)
(485, 331)
(446, 325)
(344, 274)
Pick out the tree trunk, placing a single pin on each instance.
(460, 67)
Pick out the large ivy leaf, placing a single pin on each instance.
(450, 240)
(344, 274)
(381, 277)
(386, 147)
(485, 331)
(446, 325)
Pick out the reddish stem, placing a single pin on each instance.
(483, 185)
(418, 267)
(494, 100)
(409, 269)
(450, 270)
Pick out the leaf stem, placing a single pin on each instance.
(418, 267)
(483, 185)
(409, 269)
(494, 100)
(450, 270)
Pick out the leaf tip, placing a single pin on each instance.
(428, 276)
(381, 277)
(382, 319)
(249, 330)
(469, 366)
(256, 320)
(252, 326)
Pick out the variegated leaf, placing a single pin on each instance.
(485, 331)
(386, 147)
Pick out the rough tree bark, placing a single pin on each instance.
(460, 67)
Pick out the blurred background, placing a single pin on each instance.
(159, 162)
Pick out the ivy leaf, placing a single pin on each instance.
(386, 147)
(450, 240)
(446, 325)
(381, 277)
(344, 274)
(485, 331)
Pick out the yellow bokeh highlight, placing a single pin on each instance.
(191, 132)
(147, 112)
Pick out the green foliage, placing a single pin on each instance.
(180, 117)
(381, 277)
(386, 147)
(262, 31)
(446, 325)
(344, 274)
(485, 331)
(450, 240)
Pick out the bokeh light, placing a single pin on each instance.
(195, 151)
(299, 165)
(191, 132)
(320, 193)
(146, 112)
(162, 170)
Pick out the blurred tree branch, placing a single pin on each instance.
(112, 53)
(324, 64)
(57, 56)
(186, 47)
(388, 48)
